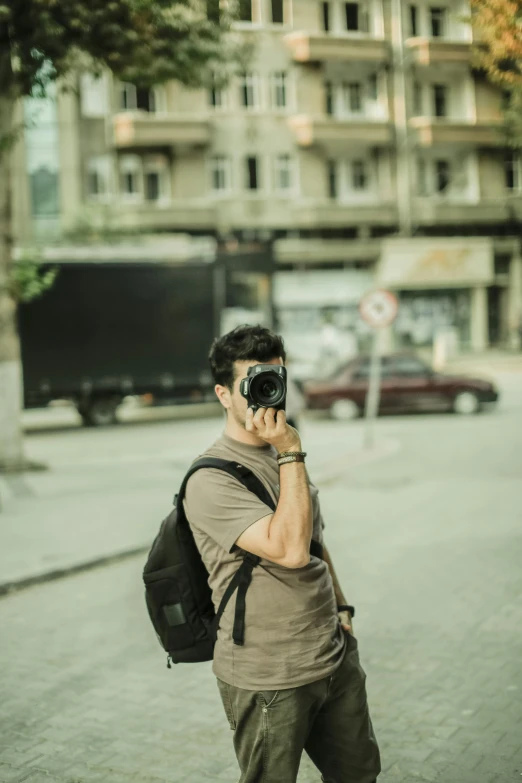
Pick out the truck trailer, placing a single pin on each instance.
(129, 321)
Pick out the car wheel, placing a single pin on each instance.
(344, 410)
(466, 403)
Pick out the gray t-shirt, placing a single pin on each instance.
(292, 632)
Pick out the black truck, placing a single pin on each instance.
(111, 328)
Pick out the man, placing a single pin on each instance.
(296, 684)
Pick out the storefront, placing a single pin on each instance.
(442, 286)
(317, 314)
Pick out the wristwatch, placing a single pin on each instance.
(346, 608)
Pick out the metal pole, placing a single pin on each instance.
(400, 67)
(374, 391)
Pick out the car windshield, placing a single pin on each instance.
(362, 370)
(409, 365)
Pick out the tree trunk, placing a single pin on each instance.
(11, 394)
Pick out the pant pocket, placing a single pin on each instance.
(268, 698)
(224, 690)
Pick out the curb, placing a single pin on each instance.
(330, 473)
(14, 586)
(337, 468)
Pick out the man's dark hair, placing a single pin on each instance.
(243, 344)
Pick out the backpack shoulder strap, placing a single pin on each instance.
(243, 474)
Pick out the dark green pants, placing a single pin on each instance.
(329, 719)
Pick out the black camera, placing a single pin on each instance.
(265, 387)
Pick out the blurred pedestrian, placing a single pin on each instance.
(294, 681)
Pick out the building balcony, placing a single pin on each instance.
(339, 214)
(173, 215)
(307, 48)
(336, 134)
(139, 129)
(434, 51)
(433, 211)
(431, 131)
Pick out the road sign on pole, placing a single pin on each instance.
(378, 309)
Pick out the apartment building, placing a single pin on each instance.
(359, 140)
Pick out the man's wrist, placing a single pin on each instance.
(287, 446)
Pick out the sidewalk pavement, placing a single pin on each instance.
(106, 492)
(488, 363)
(104, 495)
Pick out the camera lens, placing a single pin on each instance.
(268, 392)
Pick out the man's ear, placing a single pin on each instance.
(223, 395)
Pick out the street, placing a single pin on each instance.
(427, 542)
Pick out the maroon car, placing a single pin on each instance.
(407, 384)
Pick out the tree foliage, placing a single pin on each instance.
(142, 41)
(498, 24)
(28, 280)
(498, 31)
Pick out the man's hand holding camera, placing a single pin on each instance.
(346, 620)
(271, 426)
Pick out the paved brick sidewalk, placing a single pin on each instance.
(428, 546)
(106, 492)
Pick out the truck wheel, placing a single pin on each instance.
(99, 412)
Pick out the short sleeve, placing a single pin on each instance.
(221, 507)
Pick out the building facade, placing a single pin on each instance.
(355, 123)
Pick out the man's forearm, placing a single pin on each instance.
(292, 523)
(339, 595)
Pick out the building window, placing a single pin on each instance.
(127, 97)
(422, 177)
(284, 173)
(352, 97)
(414, 20)
(512, 171)
(130, 183)
(45, 192)
(146, 100)
(278, 13)
(417, 100)
(442, 175)
(438, 22)
(252, 173)
(99, 178)
(245, 10)
(152, 186)
(373, 87)
(356, 18)
(359, 175)
(329, 98)
(326, 17)
(279, 89)
(134, 98)
(130, 177)
(42, 145)
(248, 90)
(216, 96)
(333, 189)
(94, 95)
(220, 172)
(440, 100)
(156, 180)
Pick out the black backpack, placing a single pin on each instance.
(177, 594)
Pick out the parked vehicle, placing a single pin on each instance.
(408, 384)
(111, 328)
